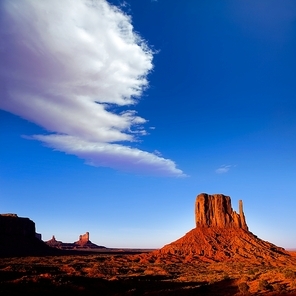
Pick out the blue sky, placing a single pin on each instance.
(115, 115)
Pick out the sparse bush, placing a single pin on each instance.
(226, 277)
(279, 287)
(264, 285)
(244, 288)
(244, 278)
(253, 271)
(290, 274)
(293, 284)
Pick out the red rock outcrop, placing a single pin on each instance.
(53, 242)
(216, 210)
(83, 239)
(221, 234)
(85, 243)
(223, 244)
(82, 243)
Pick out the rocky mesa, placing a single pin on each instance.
(18, 236)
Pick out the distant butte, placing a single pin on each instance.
(53, 242)
(85, 243)
(83, 239)
(82, 243)
(221, 234)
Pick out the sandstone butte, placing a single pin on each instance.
(82, 243)
(18, 236)
(221, 234)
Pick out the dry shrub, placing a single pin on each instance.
(245, 278)
(253, 271)
(264, 285)
(279, 287)
(226, 277)
(290, 274)
(293, 284)
(244, 288)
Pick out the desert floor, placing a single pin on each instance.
(91, 273)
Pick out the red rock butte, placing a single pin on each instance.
(18, 236)
(82, 243)
(216, 210)
(221, 234)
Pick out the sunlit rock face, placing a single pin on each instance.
(220, 234)
(84, 242)
(215, 210)
(83, 239)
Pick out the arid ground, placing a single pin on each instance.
(94, 273)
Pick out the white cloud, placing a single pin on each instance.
(112, 155)
(66, 65)
(223, 169)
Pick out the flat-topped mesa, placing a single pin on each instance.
(216, 210)
(18, 236)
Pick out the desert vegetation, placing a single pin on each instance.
(125, 274)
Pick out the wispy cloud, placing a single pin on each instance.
(224, 169)
(66, 66)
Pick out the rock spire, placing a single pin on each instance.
(83, 239)
(215, 210)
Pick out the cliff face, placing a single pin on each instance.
(83, 239)
(16, 228)
(85, 243)
(216, 210)
(18, 236)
